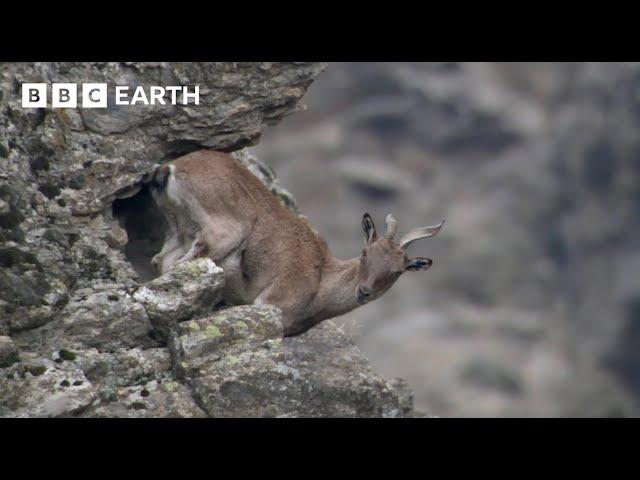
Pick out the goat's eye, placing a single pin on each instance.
(364, 252)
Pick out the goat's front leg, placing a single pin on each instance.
(294, 318)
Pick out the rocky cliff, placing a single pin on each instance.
(86, 326)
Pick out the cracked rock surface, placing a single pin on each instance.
(238, 364)
(86, 327)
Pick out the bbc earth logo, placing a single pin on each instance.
(94, 95)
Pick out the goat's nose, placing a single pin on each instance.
(363, 291)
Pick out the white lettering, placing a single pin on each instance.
(121, 95)
(64, 95)
(186, 95)
(34, 95)
(173, 91)
(94, 95)
(139, 96)
(157, 93)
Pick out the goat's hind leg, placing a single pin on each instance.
(222, 239)
(176, 243)
(197, 249)
(225, 241)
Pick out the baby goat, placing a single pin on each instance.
(216, 207)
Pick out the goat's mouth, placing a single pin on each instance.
(361, 298)
(363, 294)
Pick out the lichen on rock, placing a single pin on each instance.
(189, 289)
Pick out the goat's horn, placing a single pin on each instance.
(418, 233)
(392, 226)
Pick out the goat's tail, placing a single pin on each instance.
(159, 177)
(156, 179)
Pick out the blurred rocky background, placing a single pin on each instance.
(532, 307)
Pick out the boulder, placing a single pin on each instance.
(238, 365)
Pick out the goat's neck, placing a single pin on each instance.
(338, 287)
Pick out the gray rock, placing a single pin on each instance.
(337, 380)
(188, 290)
(124, 367)
(39, 387)
(241, 327)
(167, 399)
(8, 352)
(268, 177)
(239, 366)
(109, 320)
(4, 207)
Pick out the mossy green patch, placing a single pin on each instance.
(56, 236)
(36, 370)
(67, 355)
(10, 360)
(10, 256)
(196, 268)
(212, 331)
(194, 326)
(170, 386)
(232, 360)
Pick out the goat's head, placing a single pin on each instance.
(383, 259)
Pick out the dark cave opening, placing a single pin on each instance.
(145, 226)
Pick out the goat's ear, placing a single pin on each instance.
(418, 263)
(369, 228)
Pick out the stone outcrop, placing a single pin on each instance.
(87, 328)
